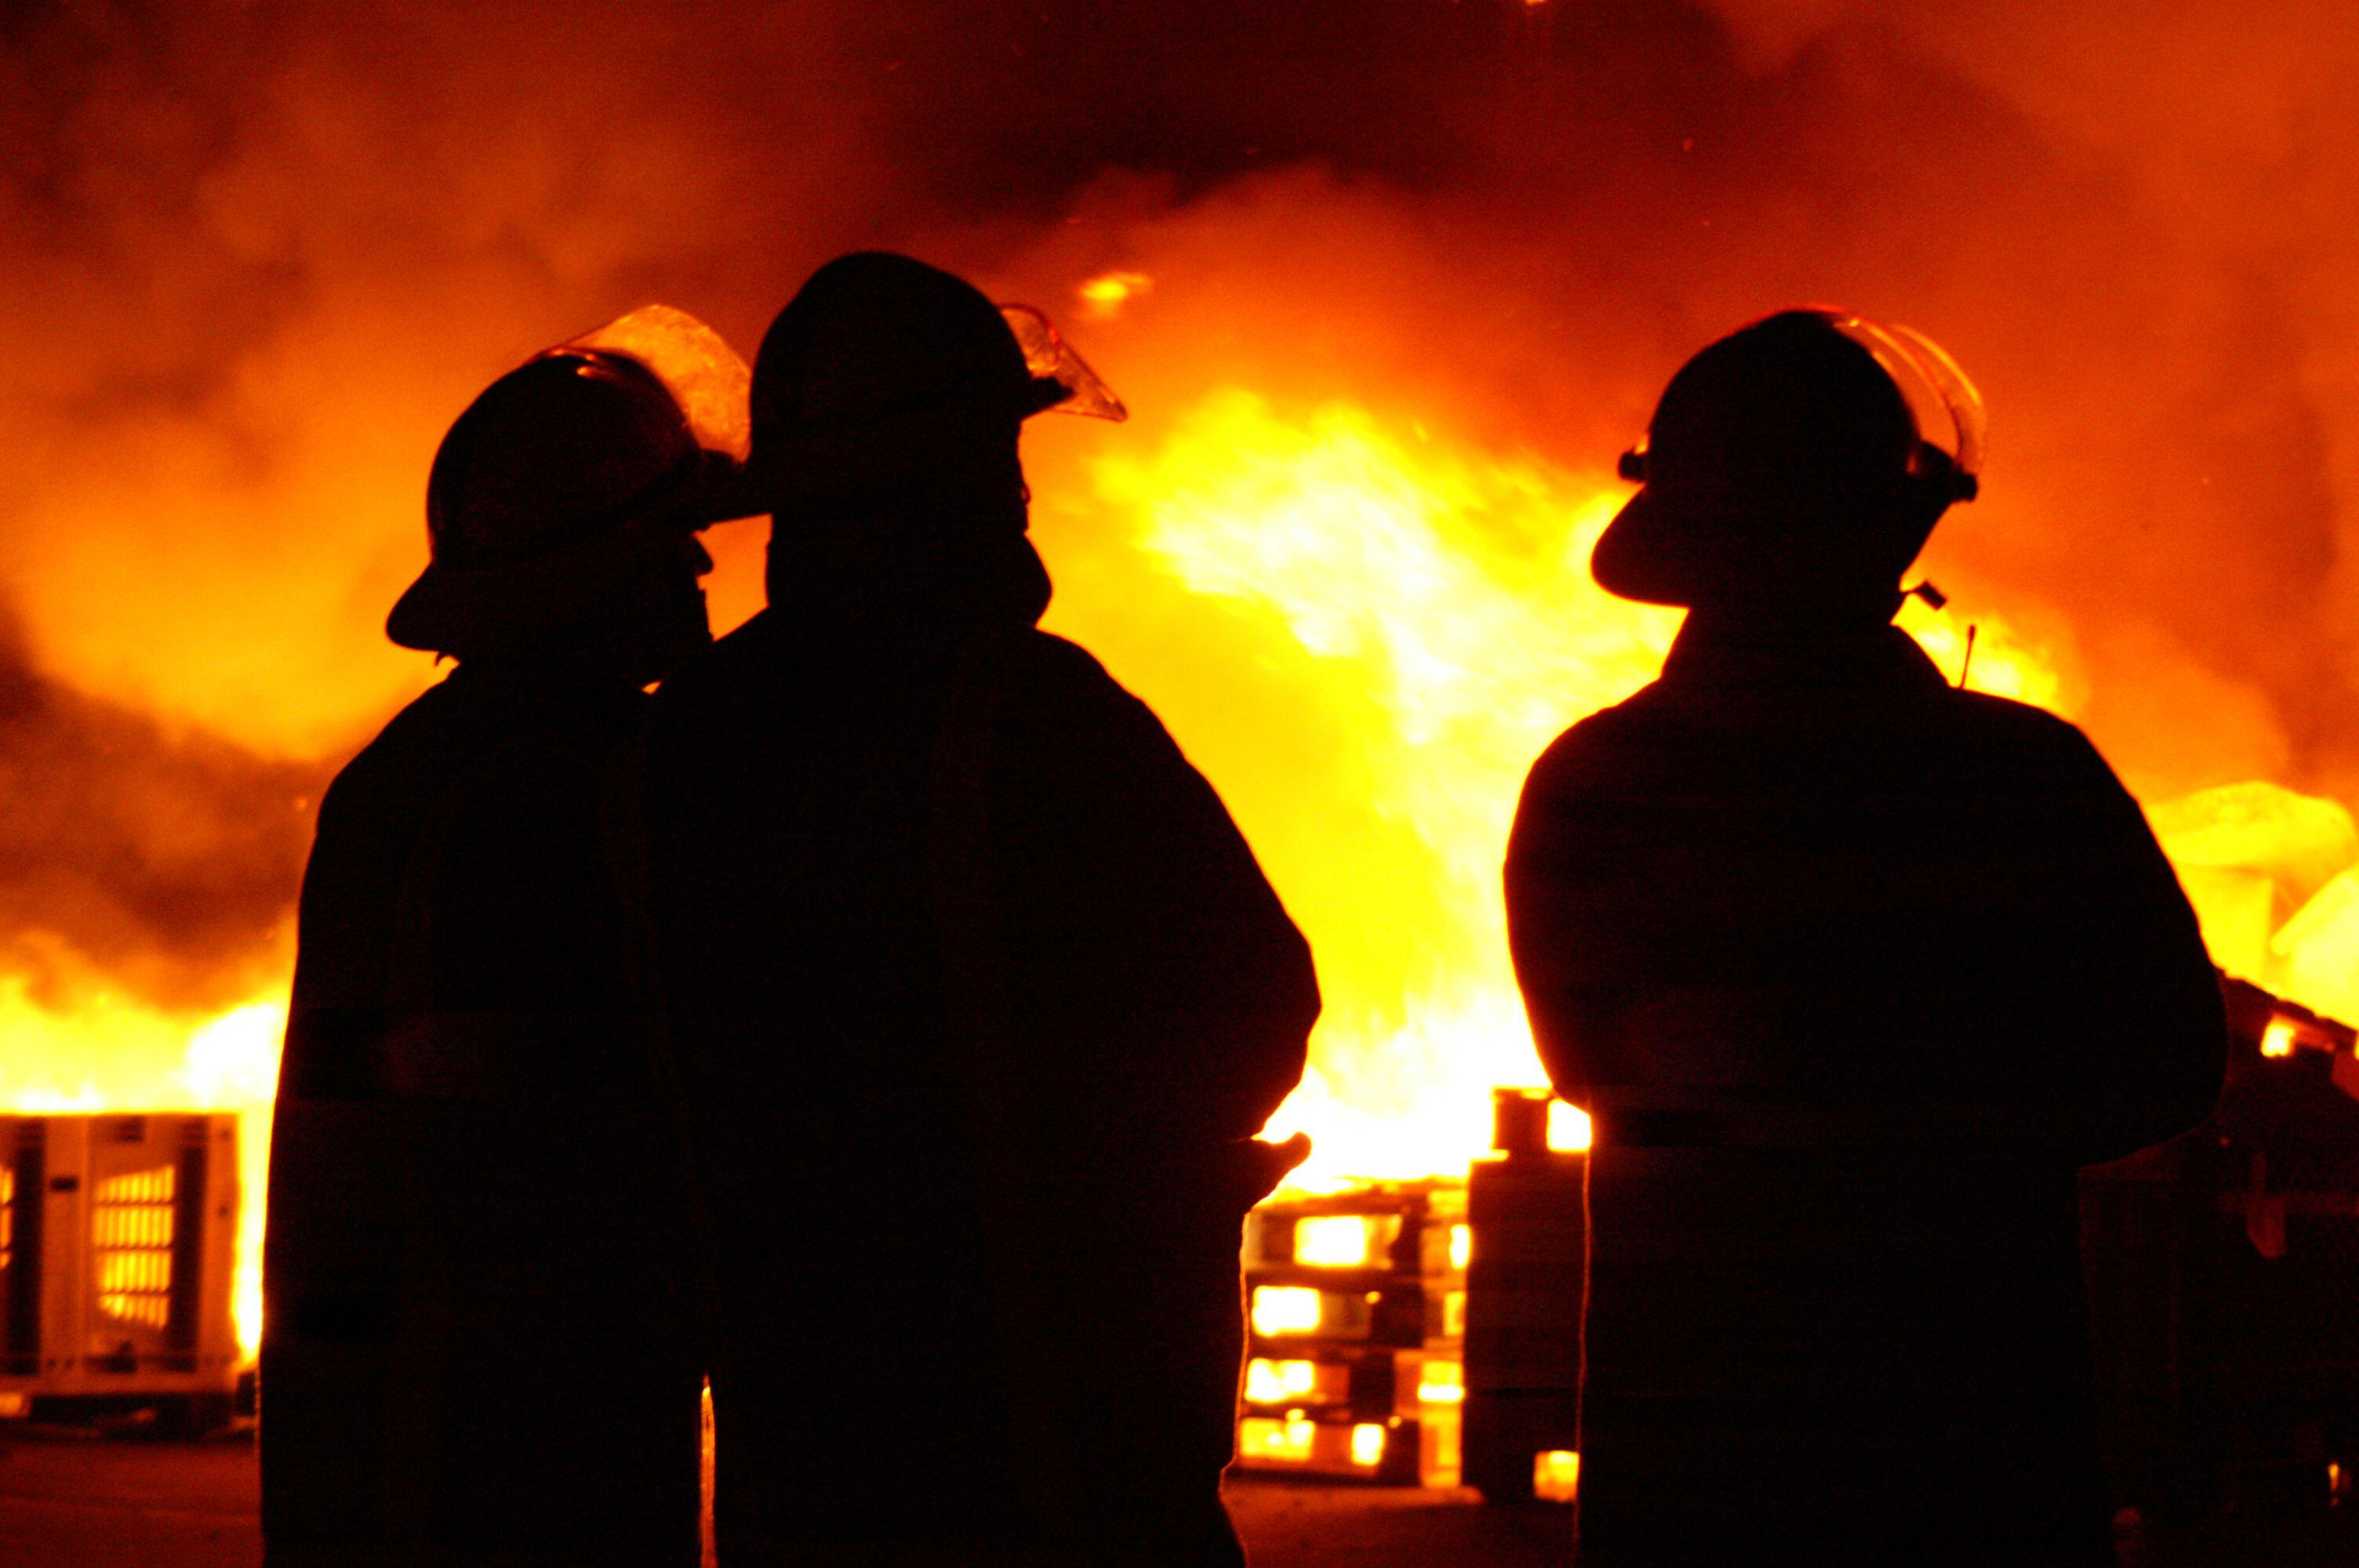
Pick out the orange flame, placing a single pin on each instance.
(1426, 603)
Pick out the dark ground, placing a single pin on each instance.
(70, 1501)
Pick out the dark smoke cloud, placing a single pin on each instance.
(258, 253)
(163, 861)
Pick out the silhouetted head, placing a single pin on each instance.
(890, 388)
(561, 513)
(1786, 471)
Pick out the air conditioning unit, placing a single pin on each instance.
(117, 1244)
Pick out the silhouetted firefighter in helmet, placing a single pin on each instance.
(1853, 969)
(475, 1345)
(976, 993)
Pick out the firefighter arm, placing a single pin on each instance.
(1146, 921)
(1572, 1007)
(1236, 974)
(2151, 1045)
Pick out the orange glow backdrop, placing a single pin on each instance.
(1387, 284)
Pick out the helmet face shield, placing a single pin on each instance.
(574, 477)
(704, 375)
(1807, 454)
(1948, 407)
(1050, 359)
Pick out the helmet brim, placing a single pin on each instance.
(1645, 554)
(454, 610)
(449, 608)
(1684, 547)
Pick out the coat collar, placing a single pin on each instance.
(1877, 659)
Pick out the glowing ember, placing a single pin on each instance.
(1275, 1382)
(1104, 297)
(1285, 1309)
(1331, 1241)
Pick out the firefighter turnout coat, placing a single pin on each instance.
(474, 1346)
(976, 997)
(1853, 969)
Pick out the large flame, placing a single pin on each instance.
(268, 257)
(1422, 604)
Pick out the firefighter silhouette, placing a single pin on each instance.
(1853, 970)
(976, 995)
(477, 1344)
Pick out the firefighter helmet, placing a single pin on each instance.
(881, 365)
(1813, 445)
(545, 493)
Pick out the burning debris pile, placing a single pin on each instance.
(2274, 877)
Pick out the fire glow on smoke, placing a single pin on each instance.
(1428, 605)
(1382, 322)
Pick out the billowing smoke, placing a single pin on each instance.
(257, 256)
(161, 860)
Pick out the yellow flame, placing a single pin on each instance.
(1569, 1131)
(1442, 1384)
(1434, 602)
(1271, 1382)
(1445, 605)
(2005, 663)
(1289, 1440)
